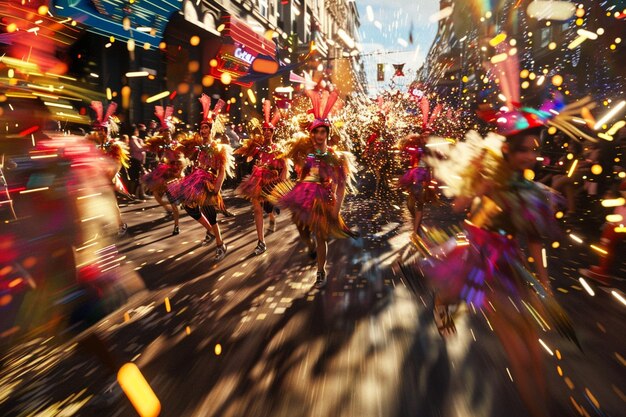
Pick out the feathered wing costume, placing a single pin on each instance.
(417, 179)
(198, 188)
(312, 199)
(168, 151)
(114, 149)
(485, 263)
(270, 166)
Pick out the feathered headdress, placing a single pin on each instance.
(428, 119)
(207, 116)
(102, 118)
(514, 118)
(269, 121)
(164, 116)
(322, 105)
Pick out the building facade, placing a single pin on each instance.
(184, 49)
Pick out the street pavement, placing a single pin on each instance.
(249, 336)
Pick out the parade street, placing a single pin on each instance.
(249, 336)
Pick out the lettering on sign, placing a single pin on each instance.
(243, 55)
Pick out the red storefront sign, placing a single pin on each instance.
(241, 46)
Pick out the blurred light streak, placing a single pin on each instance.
(576, 42)
(86, 246)
(499, 58)
(619, 297)
(546, 347)
(168, 308)
(497, 39)
(34, 190)
(157, 96)
(608, 116)
(599, 249)
(617, 126)
(544, 258)
(586, 286)
(592, 398)
(218, 349)
(45, 95)
(572, 168)
(59, 105)
(587, 34)
(91, 218)
(138, 391)
(575, 238)
(509, 373)
(137, 74)
(613, 202)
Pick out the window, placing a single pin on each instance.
(545, 36)
(307, 27)
(263, 7)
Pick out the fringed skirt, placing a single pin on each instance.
(312, 206)
(484, 266)
(258, 184)
(196, 190)
(157, 180)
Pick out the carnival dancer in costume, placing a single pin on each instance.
(200, 191)
(115, 150)
(378, 151)
(170, 167)
(270, 168)
(315, 200)
(484, 266)
(416, 182)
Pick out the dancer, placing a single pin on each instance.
(270, 168)
(378, 153)
(200, 191)
(170, 167)
(116, 151)
(416, 182)
(315, 200)
(484, 266)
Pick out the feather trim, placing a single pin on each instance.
(267, 109)
(206, 107)
(99, 109)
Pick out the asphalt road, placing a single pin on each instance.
(248, 336)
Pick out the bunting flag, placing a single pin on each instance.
(398, 68)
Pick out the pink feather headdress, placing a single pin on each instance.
(209, 116)
(322, 105)
(102, 118)
(269, 121)
(429, 119)
(164, 115)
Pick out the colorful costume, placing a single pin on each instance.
(270, 166)
(117, 152)
(417, 179)
(312, 199)
(484, 261)
(197, 190)
(167, 151)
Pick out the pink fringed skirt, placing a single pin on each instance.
(311, 205)
(197, 189)
(257, 184)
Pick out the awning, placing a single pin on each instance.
(239, 32)
(106, 18)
